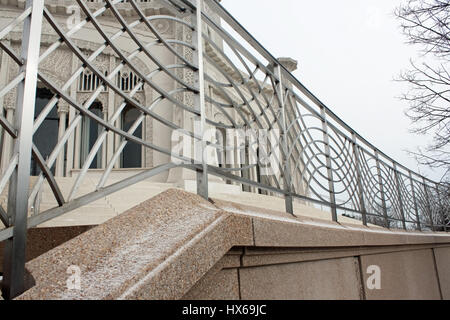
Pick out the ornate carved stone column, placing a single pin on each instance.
(111, 111)
(147, 126)
(63, 110)
(116, 137)
(103, 148)
(72, 115)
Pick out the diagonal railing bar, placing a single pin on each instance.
(205, 96)
(8, 126)
(105, 124)
(109, 83)
(48, 175)
(17, 21)
(13, 282)
(4, 217)
(139, 43)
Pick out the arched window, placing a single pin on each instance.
(127, 80)
(132, 153)
(89, 82)
(90, 130)
(46, 136)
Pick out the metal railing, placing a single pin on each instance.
(249, 120)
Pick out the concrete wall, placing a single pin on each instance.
(406, 272)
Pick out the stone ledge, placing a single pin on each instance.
(270, 256)
(156, 250)
(278, 229)
(161, 248)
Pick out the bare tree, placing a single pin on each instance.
(427, 23)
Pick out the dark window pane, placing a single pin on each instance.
(132, 153)
(90, 132)
(46, 136)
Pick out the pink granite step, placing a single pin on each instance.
(156, 250)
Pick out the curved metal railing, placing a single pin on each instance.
(197, 76)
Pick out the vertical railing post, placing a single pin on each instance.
(13, 282)
(380, 183)
(416, 209)
(202, 175)
(427, 203)
(287, 167)
(359, 178)
(329, 167)
(399, 193)
(441, 207)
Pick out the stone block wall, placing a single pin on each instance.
(406, 272)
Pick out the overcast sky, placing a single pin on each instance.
(349, 52)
